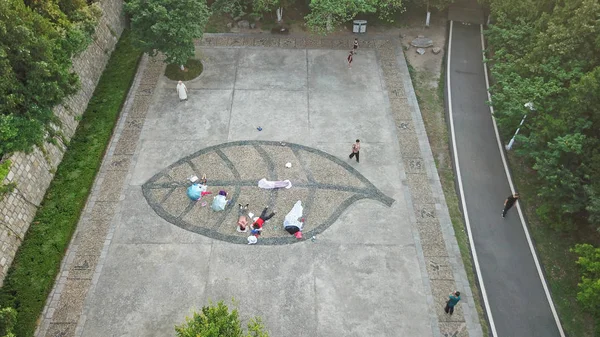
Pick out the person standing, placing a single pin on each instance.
(355, 48)
(182, 91)
(355, 150)
(509, 202)
(349, 59)
(453, 299)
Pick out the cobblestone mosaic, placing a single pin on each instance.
(236, 167)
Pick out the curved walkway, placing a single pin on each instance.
(512, 283)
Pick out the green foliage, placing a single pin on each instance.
(325, 15)
(37, 42)
(8, 320)
(168, 26)
(217, 321)
(589, 287)
(548, 52)
(235, 8)
(4, 170)
(36, 264)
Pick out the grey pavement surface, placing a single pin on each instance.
(382, 266)
(516, 297)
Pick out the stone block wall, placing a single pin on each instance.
(33, 172)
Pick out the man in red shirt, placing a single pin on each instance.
(258, 224)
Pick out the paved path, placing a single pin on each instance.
(515, 294)
(385, 256)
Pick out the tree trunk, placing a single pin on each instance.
(329, 26)
(181, 67)
(279, 14)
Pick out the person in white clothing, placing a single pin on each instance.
(182, 91)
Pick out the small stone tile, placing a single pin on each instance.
(409, 144)
(425, 212)
(342, 44)
(91, 236)
(134, 123)
(327, 44)
(128, 141)
(420, 188)
(397, 93)
(222, 41)
(236, 41)
(61, 330)
(454, 329)
(119, 163)
(400, 110)
(267, 42)
(248, 41)
(287, 43)
(84, 266)
(439, 268)
(103, 211)
(112, 186)
(71, 301)
(431, 236)
(404, 125)
(366, 43)
(311, 42)
(140, 107)
(301, 43)
(414, 165)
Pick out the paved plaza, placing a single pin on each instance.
(384, 258)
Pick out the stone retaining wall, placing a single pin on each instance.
(33, 172)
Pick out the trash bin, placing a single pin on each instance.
(360, 26)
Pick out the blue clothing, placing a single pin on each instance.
(453, 300)
(194, 192)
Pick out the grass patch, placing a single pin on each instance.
(37, 262)
(431, 104)
(562, 273)
(193, 69)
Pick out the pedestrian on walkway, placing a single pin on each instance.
(182, 91)
(355, 45)
(453, 299)
(355, 150)
(509, 202)
(349, 59)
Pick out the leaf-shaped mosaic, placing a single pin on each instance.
(325, 184)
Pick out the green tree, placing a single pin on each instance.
(218, 321)
(589, 287)
(326, 14)
(168, 26)
(35, 72)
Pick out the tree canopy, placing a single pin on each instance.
(37, 41)
(168, 26)
(548, 52)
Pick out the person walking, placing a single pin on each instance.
(509, 202)
(355, 48)
(349, 59)
(355, 150)
(453, 299)
(182, 91)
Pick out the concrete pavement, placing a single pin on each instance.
(382, 265)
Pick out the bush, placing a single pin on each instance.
(37, 262)
(217, 321)
(8, 320)
(589, 287)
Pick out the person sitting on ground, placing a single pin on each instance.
(220, 201)
(242, 220)
(257, 226)
(198, 188)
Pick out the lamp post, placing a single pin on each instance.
(531, 108)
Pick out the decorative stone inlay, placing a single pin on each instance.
(240, 166)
